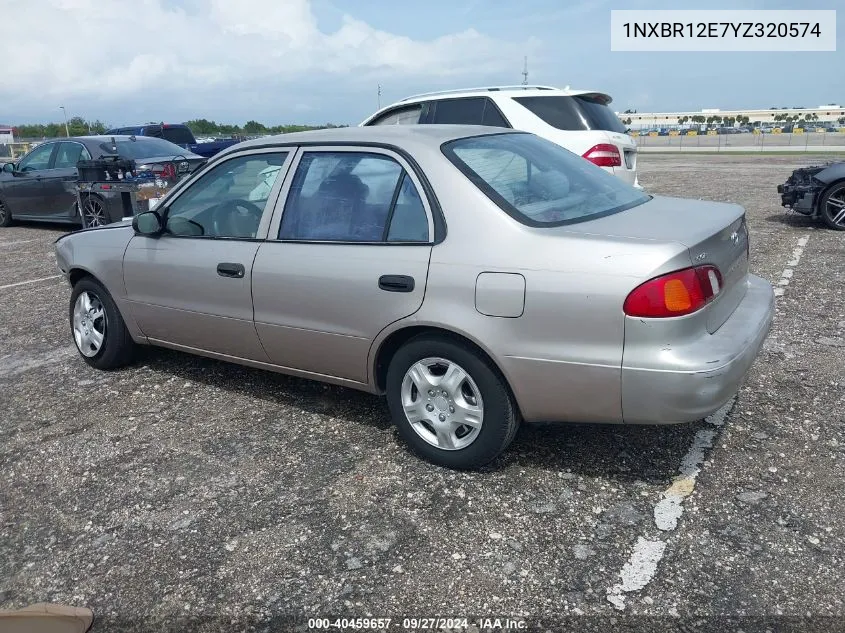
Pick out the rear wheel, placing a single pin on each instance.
(5, 215)
(832, 206)
(97, 327)
(93, 212)
(449, 404)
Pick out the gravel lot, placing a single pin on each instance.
(185, 493)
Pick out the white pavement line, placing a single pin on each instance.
(30, 281)
(14, 364)
(638, 571)
(14, 243)
(641, 567)
(786, 275)
(670, 508)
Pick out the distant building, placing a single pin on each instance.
(7, 134)
(827, 114)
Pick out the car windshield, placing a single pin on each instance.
(538, 182)
(143, 147)
(582, 112)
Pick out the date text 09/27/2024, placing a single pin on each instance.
(417, 624)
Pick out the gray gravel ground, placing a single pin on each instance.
(188, 494)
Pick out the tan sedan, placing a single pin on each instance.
(477, 276)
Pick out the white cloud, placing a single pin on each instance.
(91, 50)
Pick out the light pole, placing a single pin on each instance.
(67, 132)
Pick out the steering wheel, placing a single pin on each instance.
(236, 218)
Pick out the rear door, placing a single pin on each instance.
(466, 111)
(347, 256)
(24, 193)
(59, 181)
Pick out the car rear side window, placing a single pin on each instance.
(353, 197)
(578, 113)
(69, 154)
(400, 116)
(538, 182)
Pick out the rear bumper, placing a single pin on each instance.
(691, 382)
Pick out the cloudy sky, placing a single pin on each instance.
(317, 61)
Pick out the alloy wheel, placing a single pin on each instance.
(94, 213)
(89, 323)
(442, 403)
(836, 206)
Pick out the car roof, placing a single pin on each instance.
(491, 91)
(508, 91)
(403, 136)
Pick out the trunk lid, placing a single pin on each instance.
(714, 233)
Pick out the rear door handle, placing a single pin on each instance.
(396, 283)
(227, 269)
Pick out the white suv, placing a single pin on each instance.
(578, 120)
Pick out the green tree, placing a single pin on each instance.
(202, 127)
(254, 127)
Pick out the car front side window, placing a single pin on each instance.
(227, 201)
(37, 159)
(353, 197)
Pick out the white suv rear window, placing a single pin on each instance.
(581, 112)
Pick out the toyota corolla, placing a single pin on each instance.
(475, 276)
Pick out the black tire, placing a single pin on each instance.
(500, 417)
(5, 215)
(94, 212)
(117, 348)
(830, 213)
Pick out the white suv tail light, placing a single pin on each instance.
(604, 155)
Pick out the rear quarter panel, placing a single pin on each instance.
(562, 357)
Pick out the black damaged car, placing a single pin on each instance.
(818, 192)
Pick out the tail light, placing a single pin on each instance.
(604, 155)
(675, 294)
(169, 171)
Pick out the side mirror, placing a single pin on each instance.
(8, 168)
(148, 223)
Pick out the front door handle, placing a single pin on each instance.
(227, 269)
(396, 283)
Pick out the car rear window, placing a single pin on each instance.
(538, 182)
(143, 147)
(582, 112)
(179, 135)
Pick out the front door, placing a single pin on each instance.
(190, 287)
(24, 192)
(348, 256)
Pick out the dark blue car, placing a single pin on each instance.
(177, 133)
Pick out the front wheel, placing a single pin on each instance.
(449, 404)
(832, 207)
(98, 328)
(5, 215)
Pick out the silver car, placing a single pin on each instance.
(476, 276)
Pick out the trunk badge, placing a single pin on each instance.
(735, 237)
